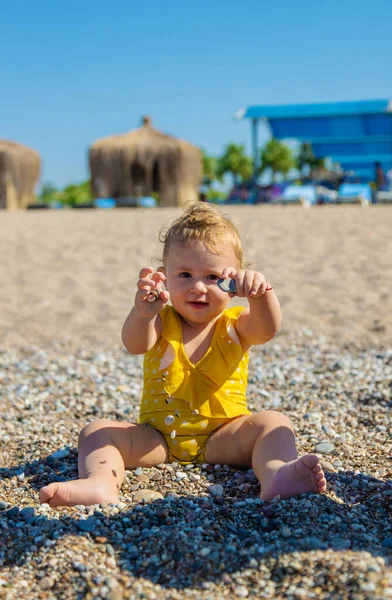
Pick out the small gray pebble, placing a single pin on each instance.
(46, 583)
(63, 453)
(227, 285)
(324, 447)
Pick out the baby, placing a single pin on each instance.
(196, 348)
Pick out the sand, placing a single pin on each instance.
(70, 275)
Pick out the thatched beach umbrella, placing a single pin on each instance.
(323, 174)
(145, 161)
(19, 174)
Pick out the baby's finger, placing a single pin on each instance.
(145, 272)
(258, 285)
(164, 297)
(146, 284)
(248, 281)
(229, 272)
(239, 282)
(142, 295)
(159, 277)
(263, 287)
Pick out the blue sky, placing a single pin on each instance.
(75, 71)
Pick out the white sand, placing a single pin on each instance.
(70, 275)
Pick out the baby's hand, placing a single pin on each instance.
(249, 284)
(150, 298)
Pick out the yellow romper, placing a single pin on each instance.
(187, 402)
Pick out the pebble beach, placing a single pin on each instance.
(68, 281)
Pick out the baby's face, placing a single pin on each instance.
(191, 275)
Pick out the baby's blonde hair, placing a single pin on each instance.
(203, 223)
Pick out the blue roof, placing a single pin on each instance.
(327, 109)
(350, 133)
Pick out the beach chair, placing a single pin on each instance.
(104, 203)
(354, 193)
(147, 202)
(128, 202)
(305, 195)
(384, 197)
(325, 195)
(38, 206)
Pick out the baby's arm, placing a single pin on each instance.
(143, 325)
(262, 320)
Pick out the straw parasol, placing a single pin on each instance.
(144, 161)
(19, 173)
(324, 174)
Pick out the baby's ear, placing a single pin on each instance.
(161, 270)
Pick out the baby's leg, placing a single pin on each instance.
(265, 441)
(106, 449)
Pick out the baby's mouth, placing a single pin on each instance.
(198, 303)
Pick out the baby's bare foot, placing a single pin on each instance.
(296, 477)
(78, 491)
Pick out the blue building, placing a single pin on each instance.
(357, 135)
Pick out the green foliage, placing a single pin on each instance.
(76, 194)
(157, 197)
(209, 165)
(306, 158)
(216, 196)
(278, 157)
(236, 162)
(72, 194)
(48, 193)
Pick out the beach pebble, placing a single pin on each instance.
(28, 513)
(63, 453)
(216, 490)
(227, 284)
(146, 496)
(324, 447)
(241, 591)
(340, 543)
(46, 583)
(327, 466)
(116, 594)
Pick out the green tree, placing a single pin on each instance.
(76, 193)
(48, 193)
(278, 157)
(236, 162)
(216, 196)
(306, 158)
(209, 165)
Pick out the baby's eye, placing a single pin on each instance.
(185, 274)
(213, 277)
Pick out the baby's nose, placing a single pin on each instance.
(199, 287)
